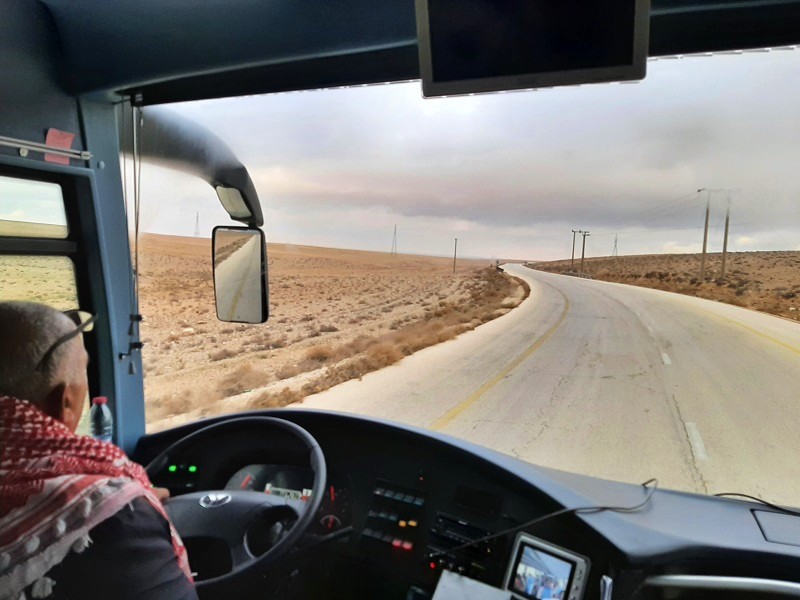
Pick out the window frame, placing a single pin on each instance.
(71, 247)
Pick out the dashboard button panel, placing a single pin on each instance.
(393, 515)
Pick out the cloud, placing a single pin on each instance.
(610, 158)
(675, 248)
(14, 215)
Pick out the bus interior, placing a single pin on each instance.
(385, 510)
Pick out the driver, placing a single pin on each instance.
(77, 518)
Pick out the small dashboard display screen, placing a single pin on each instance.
(285, 481)
(304, 494)
(538, 574)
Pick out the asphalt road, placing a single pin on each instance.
(238, 284)
(614, 381)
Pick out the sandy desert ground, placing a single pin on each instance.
(765, 281)
(335, 315)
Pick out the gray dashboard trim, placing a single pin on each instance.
(718, 582)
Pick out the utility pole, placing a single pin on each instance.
(197, 224)
(615, 251)
(572, 262)
(394, 242)
(583, 248)
(725, 239)
(705, 234)
(705, 231)
(455, 252)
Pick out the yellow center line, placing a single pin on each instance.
(454, 412)
(767, 337)
(238, 295)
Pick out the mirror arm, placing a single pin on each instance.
(173, 141)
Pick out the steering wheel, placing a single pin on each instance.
(232, 515)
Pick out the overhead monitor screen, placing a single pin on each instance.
(469, 46)
(539, 570)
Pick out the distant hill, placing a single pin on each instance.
(766, 281)
(24, 229)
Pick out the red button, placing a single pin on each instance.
(396, 542)
(407, 545)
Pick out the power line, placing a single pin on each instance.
(671, 203)
(656, 230)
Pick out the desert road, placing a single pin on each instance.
(237, 283)
(614, 381)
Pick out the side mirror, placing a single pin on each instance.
(240, 274)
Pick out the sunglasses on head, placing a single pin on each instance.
(84, 321)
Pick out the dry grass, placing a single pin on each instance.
(220, 354)
(490, 292)
(275, 400)
(320, 354)
(245, 377)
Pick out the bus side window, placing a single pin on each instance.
(35, 210)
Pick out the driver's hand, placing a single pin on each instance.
(161, 493)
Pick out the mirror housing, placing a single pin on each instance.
(241, 288)
(172, 140)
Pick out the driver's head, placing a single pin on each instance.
(57, 386)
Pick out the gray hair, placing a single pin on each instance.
(27, 330)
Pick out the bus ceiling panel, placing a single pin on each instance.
(174, 50)
(396, 64)
(31, 94)
(116, 45)
(684, 27)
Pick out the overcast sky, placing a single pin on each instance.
(511, 174)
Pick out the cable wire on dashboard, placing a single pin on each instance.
(759, 500)
(558, 513)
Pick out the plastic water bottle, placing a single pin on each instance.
(101, 423)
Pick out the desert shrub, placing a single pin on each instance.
(321, 353)
(383, 354)
(280, 342)
(245, 377)
(328, 328)
(288, 371)
(221, 354)
(275, 399)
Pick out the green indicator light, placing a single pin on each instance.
(173, 468)
(192, 469)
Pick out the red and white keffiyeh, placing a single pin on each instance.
(55, 487)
